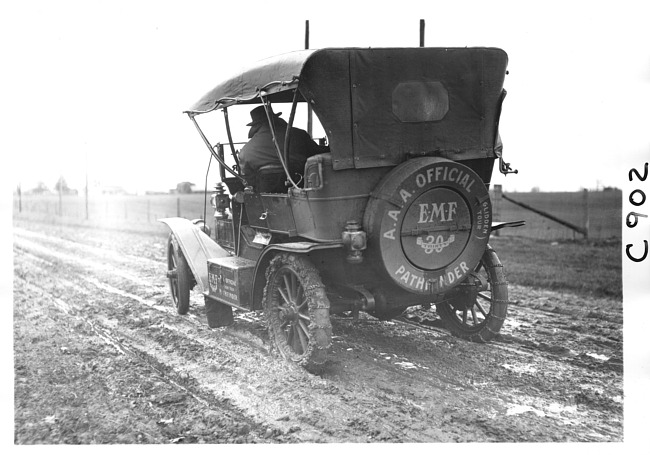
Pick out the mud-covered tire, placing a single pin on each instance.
(180, 276)
(296, 309)
(479, 320)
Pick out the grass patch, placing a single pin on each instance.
(587, 267)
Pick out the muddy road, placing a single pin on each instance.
(101, 356)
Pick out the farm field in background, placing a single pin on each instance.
(585, 267)
(605, 208)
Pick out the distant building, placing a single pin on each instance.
(185, 188)
(40, 189)
(113, 190)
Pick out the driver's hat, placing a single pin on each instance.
(258, 115)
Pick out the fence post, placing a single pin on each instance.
(496, 206)
(178, 206)
(585, 213)
(20, 200)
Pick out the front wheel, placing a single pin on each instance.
(297, 310)
(477, 308)
(180, 276)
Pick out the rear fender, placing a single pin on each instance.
(303, 248)
(197, 247)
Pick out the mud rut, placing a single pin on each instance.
(554, 374)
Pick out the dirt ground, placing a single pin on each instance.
(101, 356)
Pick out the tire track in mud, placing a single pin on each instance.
(311, 417)
(585, 356)
(120, 342)
(536, 327)
(383, 382)
(186, 366)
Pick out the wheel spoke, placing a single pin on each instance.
(289, 334)
(474, 318)
(303, 336)
(481, 309)
(284, 297)
(304, 317)
(294, 287)
(296, 345)
(304, 327)
(288, 288)
(300, 298)
(173, 282)
(464, 316)
(485, 296)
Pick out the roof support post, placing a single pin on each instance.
(209, 146)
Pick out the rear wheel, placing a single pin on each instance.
(297, 310)
(477, 308)
(180, 276)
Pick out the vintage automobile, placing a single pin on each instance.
(395, 213)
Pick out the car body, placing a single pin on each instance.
(396, 212)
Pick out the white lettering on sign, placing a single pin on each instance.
(405, 194)
(393, 214)
(230, 295)
(437, 211)
(483, 221)
(434, 244)
(455, 274)
(213, 279)
(417, 281)
(410, 278)
(390, 234)
(445, 174)
(452, 173)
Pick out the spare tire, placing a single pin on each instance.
(428, 224)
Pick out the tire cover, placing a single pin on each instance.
(428, 224)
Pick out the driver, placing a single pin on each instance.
(260, 150)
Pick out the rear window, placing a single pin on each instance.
(420, 101)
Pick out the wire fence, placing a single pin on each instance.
(599, 212)
(119, 211)
(566, 215)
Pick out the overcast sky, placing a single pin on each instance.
(105, 83)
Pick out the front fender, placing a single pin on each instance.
(259, 280)
(196, 246)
